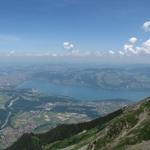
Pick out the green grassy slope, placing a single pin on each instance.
(129, 130)
(60, 132)
(125, 129)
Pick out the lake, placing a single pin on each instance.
(82, 92)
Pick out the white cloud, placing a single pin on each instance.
(146, 26)
(11, 53)
(145, 47)
(54, 55)
(68, 45)
(130, 49)
(121, 53)
(111, 52)
(133, 40)
(146, 44)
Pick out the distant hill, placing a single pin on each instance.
(125, 129)
(130, 78)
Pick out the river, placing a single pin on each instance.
(8, 111)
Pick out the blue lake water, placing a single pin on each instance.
(82, 92)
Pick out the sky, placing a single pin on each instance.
(75, 27)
